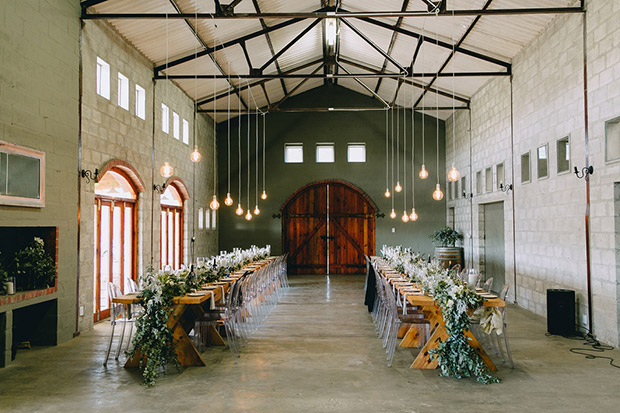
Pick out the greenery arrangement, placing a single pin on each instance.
(4, 278)
(446, 237)
(455, 357)
(153, 340)
(34, 267)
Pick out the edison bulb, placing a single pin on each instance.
(256, 210)
(454, 175)
(248, 216)
(405, 217)
(239, 210)
(413, 216)
(195, 155)
(438, 195)
(166, 170)
(398, 188)
(214, 205)
(263, 196)
(423, 172)
(393, 214)
(387, 193)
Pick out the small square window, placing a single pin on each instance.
(293, 153)
(185, 132)
(175, 125)
(165, 118)
(123, 91)
(356, 152)
(325, 153)
(103, 78)
(563, 154)
(208, 218)
(499, 172)
(140, 102)
(542, 161)
(463, 187)
(488, 180)
(525, 168)
(213, 219)
(201, 218)
(612, 140)
(478, 182)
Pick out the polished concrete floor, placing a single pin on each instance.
(317, 352)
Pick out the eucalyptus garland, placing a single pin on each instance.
(455, 357)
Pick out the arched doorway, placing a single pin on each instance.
(327, 227)
(114, 237)
(171, 227)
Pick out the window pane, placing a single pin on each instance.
(208, 218)
(175, 125)
(164, 240)
(165, 118)
(185, 132)
(171, 197)
(177, 239)
(499, 171)
(542, 161)
(463, 187)
(525, 167)
(114, 185)
(325, 153)
(95, 239)
(170, 239)
(478, 182)
(213, 219)
(293, 153)
(123, 91)
(356, 152)
(103, 79)
(104, 257)
(201, 218)
(140, 102)
(563, 155)
(127, 248)
(116, 246)
(488, 180)
(612, 140)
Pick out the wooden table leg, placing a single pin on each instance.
(471, 339)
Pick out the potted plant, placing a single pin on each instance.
(446, 251)
(34, 267)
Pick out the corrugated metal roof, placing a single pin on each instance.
(496, 37)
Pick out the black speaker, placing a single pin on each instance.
(561, 312)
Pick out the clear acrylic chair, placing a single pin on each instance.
(118, 314)
(504, 336)
(488, 284)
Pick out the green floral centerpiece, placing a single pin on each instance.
(446, 237)
(34, 267)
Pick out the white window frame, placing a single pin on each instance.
(176, 120)
(123, 91)
(140, 102)
(165, 118)
(353, 146)
(103, 78)
(185, 132)
(328, 146)
(213, 219)
(207, 218)
(292, 146)
(9, 148)
(201, 218)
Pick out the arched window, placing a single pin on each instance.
(115, 237)
(171, 228)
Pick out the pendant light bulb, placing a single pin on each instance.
(228, 201)
(393, 214)
(248, 216)
(454, 175)
(423, 172)
(195, 155)
(239, 210)
(214, 205)
(387, 193)
(405, 217)
(398, 188)
(413, 216)
(438, 194)
(256, 210)
(166, 170)
(263, 196)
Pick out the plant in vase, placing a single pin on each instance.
(446, 251)
(34, 267)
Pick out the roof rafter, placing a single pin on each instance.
(392, 41)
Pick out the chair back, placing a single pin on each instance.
(487, 285)
(116, 310)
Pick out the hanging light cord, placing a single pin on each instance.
(264, 137)
(214, 122)
(387, 150)
(256, 166)
(392, 160)
(249, 157)
(228, 124)
(437, 102)
(239, 145)
(453, 109)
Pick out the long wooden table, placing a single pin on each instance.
(185, 311)
(432, 314)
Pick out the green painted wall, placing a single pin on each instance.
(339, 128)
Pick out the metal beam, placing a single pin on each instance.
(291, 43)
(247, 56)
(339, 14)
(374, 46)
(89, 3)
(375, 94)
(331, 109)
(399, 22)
(231, 7)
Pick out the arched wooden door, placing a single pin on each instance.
(327, 227)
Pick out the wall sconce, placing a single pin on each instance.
(89, 175)
(505, 188)
(585, 172)
(159, 188)
(468, 195)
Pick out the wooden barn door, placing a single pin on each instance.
(327, 227)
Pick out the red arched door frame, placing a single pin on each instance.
(327, 228)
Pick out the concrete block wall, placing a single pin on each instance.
(548, 104)
(39, 95)
(110, 132)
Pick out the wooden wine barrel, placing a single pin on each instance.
(449, 256)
